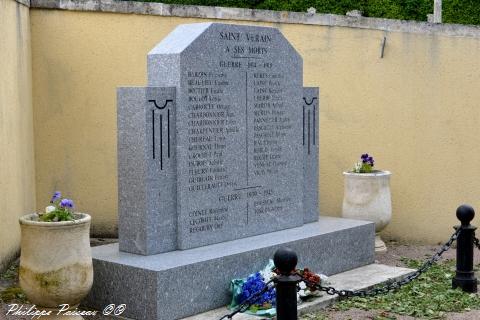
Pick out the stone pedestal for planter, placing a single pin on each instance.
(367, 197)
(56, 261)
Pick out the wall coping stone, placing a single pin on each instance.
(223, 13)
(24, 2)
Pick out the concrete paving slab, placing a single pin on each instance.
(356, 279)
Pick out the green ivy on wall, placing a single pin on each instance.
(454, 11)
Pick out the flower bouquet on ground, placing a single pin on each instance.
(264, 306)
(307, 289)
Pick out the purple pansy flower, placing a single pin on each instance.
(365, 165)
(56, 196)
(370, 161)
(66, 203)
(365, 158)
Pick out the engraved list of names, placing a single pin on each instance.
(239, 136)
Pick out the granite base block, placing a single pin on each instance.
(177, 284)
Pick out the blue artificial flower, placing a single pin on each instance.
(66, 203)
(364, 156)
(56, 195)
(254, 284)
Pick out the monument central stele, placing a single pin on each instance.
(226, 131)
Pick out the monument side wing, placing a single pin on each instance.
(147, 171)
(310, 118)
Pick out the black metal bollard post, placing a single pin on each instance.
(464, 276)
(285, 260)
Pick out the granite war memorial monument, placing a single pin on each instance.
(217, 168)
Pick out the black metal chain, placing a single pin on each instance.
(397, 284)
(357, 293)
(247, 303)
(476, 242)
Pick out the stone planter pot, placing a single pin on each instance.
(367, 197)
(55, 261)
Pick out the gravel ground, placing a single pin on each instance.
(396, 251)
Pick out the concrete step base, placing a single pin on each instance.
(177, 284)
(356, 279)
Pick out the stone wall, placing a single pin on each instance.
(17, 176)
(404, 91)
